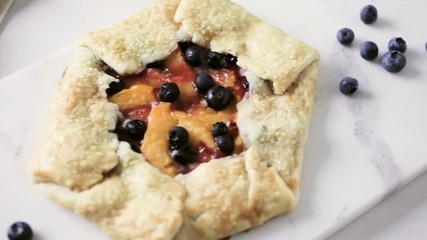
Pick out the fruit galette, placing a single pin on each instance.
(185, 121)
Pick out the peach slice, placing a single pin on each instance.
(155, 147)
(136, 96)
(225, 77)
(199, 131)
(152, 77)
(210, 116)
(179, 69)
(188, 96)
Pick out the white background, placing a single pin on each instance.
(34, 29)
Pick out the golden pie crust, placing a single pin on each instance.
(83, 166)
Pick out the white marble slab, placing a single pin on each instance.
(360, 148)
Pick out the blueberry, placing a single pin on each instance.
(20, 231)
(178, 137)
(345, 36)
(219, 98)
(225, 144)
(196, 55)
(215, 60)
(369, 50)
(393, 61)
(158, 64)
(219, 129)
(397, 44)
(114, 88)
(230, 59)
(185, 45)
(136, 129)
(348, 85)
(169, 92)
(368, 14)
(136, 147)
(183, 155)
(204, 82)
(426, 46)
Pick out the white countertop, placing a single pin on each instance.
(34, 29)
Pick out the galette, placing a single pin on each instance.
(185, 121)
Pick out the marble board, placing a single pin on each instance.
(360, 148)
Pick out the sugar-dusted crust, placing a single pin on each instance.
(78, 146)
(82, 165)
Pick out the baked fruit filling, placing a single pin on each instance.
(181, 112)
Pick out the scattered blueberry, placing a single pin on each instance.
(369, 50)
(219, 97)
(204, 82)
(397, 44)
(178, 137)
(219, 129)
(426, 46)
(136, 129)
(368, 14)
(348, 85)
(393, 61)
(225, 144)
(158, 64)
(231, 60)
(183, 155)
(114, 88)
(345, 36)
(196, 55)
(169, 92)
(215, 59)
(20, 231)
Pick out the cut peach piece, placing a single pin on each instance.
(155, 147)
(225, 77)
(188, 95)
(133, 97)
(210, 116)
(140, 113)
(152, 77)
(179, 68)
(199, 131)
